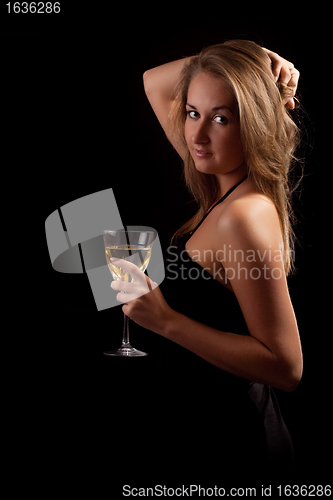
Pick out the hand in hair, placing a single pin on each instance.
(284, 72)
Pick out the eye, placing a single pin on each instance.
(220, 119)
(192, 114)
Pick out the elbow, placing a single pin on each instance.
(291, 377)
(145, 77)
(290, 383)
(147, 81)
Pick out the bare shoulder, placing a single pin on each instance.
(251, 217)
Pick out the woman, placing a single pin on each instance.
(225, 305)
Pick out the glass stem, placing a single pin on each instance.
(125, 341)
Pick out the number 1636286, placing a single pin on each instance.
(33, 7)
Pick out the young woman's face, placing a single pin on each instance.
(212, 130)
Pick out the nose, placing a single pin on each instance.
(200, 135)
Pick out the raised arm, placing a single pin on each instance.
(159, 84)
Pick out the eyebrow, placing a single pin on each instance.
(217, 108)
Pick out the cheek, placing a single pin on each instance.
(230, 143)
(238, 145)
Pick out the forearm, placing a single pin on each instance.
(244, 356)
(160, 84)
(163, 79)
(276, 362)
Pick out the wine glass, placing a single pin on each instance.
(134, 246)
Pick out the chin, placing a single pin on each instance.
(214, 169)
(209, 169)
(203, 166)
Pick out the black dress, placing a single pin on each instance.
(216, 425)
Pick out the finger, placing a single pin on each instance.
(128, 266)
(125, 297)
(276, 70)
(291, 103)
(125, 286)
(126, 310)
(149, 283)
(285, 75)
(130, 291)
(276, 62)
(294, 77)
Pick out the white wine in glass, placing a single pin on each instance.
(134, 246)
(136, 254)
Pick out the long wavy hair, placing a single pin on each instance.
(269, 135)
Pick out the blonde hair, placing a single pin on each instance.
(268, 133)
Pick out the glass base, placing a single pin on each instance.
(128, 351)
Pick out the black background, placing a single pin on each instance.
(76, 122)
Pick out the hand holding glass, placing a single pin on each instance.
(134, 246)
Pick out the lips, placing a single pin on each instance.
(202, 154)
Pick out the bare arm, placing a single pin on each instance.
(262, 361)
(244, 356)
(272, 353)
(159, 84)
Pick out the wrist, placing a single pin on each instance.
(168, 323)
